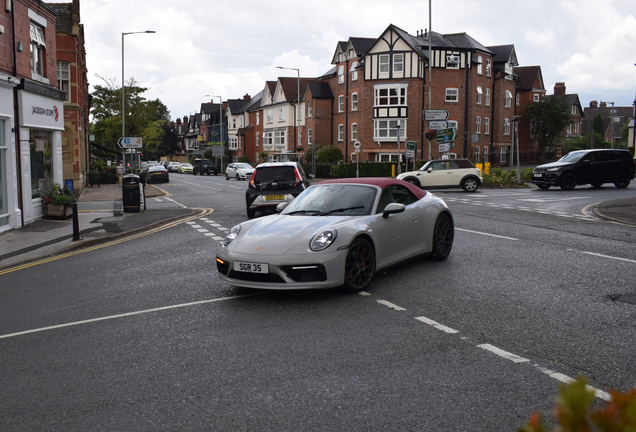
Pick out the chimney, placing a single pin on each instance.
(247, 97)
(179, 122)
(603, 104)
(185, 120)
(593, 104)
(559, 89)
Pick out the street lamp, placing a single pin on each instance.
(399, 170)
(297, 141)
(220, 124)
(123, 94)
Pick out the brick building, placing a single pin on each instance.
(72, 79)
(31, 111)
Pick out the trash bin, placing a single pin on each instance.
(131, 195)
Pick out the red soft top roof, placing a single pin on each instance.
(382, 182)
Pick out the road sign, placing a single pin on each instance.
(357, 144)
(445, 135)
(410, 145)
(438, 125)
(130, 142)
(436, 115)
(445, 147)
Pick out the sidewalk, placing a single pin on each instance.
(100, 218)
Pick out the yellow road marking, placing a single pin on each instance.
(204, 212)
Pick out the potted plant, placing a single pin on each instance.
(57, 202)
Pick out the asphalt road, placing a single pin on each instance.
(142, 335)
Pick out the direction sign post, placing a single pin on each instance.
(436, 115)
(130, 142)
(446, 135)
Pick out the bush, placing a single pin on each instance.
(58, 195)
(574, 414)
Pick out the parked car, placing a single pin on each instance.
(173, 167)
(157, 173)
(239, 171)
(203, 166)
(185, 168)
(337, 233)
(165, 164)
(581, 167)
(445, 173)
(273, 183)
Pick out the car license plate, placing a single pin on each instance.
(274, 197)
(537, 175)
(251, 267)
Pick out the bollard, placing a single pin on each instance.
(76, 233)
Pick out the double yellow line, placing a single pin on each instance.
(203, 212)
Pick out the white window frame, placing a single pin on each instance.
(480, 64)
(487, 97)
(535, 97)
(452, 95)
(517, 99)
(341, 103)
(508, 102)
(309, 136)
(479, 93)
(258, 140)
(280, 139)
(354, 72)
(354, 131)
(340, 132)
(390, 95)
(383, 63)
(340, 74)
(270, 116)
(386, 157)
(281, 113)
(486, 125)
(398, 63)
(488, 67)
(309, 108)
(478, 125)
(354, 101)
(384, 129)
(506, 126)
(37, 49)
(503, 154)
(64, 78)
(258, 118)
(233, 142)
(452, 65)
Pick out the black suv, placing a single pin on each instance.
(274, 183)
(581, 167)
(204, 166)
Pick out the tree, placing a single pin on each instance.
(328, 154)
(597, 125)
(144, 118)
(548, 119)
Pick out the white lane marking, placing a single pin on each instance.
(191, 223)
(195, 226)
(607, 256)
(486, 234)
(437, 325)
(364, 293)
(505, 354)
(176, 202)
(391, 305)
(202, 230)
(568, 380)
(110, 317)
(209, 234)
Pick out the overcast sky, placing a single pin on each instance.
(230, 48)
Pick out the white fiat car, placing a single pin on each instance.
(445, 173)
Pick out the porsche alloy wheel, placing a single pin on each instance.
(359, 265)
(443, 237)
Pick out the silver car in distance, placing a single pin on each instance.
(337, 233)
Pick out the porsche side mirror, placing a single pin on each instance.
(390, 209)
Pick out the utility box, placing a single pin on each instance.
(131, 193)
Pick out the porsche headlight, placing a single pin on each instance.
(323, 239)
(232, 235)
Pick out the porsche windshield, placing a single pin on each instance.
(333, 199)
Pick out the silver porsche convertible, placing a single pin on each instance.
(337, 233)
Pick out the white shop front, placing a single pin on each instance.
(9, 209)
(41, 118)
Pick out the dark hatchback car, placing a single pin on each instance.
(582, 167)
(274, 183)
(204, 166)
(158, 173)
